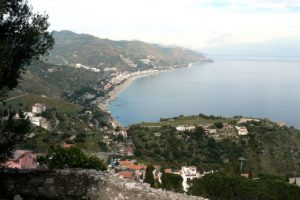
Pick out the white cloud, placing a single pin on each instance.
(189, 23)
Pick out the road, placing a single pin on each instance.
(16, 97)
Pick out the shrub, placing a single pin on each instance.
(149, 175)
(73, 157)
(225, 187)
(172, 182)
(218, 125)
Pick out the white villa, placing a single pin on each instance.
(180, 128)
(242, 130)
(185, 128)
(38, 108)
(188, 174)
(37, 121)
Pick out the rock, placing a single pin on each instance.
(17, 197)
(130, 186)
(82, 184)
(49, 181)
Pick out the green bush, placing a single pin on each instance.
(149, 175)
(218, 125)
(172, 182)
(225, 187)
(73, 157)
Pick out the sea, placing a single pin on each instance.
(262, 87)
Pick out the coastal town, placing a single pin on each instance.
(113, 80)
(149, 100)
(118, 163)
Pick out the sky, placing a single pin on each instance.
(196, 24)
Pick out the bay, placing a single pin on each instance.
(249, 86)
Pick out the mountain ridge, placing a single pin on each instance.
(71, 48)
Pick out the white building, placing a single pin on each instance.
(294, 180)
(242, 130)
(188, 174)
(36, 121)
(45, 124)
(180, 128)
(107, 69)
(38, 108)
(190, 128)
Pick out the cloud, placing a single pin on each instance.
(189, 23)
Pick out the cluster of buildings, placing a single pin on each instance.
(128, 61)
(129, 170)
(185, 128)
(81, 66)
(118, 78)
(35, 118)
(124, 147)
(217, 133)
(22, 159)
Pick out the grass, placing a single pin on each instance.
(51, 102)
(186, 120)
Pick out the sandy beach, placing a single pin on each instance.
(103, 105)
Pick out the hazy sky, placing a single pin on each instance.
(194, 24)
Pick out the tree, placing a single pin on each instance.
(172, 182)
(73, 157)
(23, 37)
(11, 132)
(149, 175)
(218, 125)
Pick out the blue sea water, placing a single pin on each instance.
(249, 86)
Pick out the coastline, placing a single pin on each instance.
(103, 105)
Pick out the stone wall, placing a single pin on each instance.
(78, 184)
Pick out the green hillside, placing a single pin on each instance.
(268, 148)
(53, 80)
(69, 124)
(71, 48)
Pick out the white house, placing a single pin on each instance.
(190, 127)
(36, 121)
(294, 180)
(38, 108)
(180, 128)
(242, 130)
(188, 174)
(45, 124)
(40, 121)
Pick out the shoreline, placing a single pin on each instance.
(103, 105)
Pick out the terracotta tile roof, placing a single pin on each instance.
(125, 162)
(168, 171)
(134, 167)
(125, 174)
(65, 145)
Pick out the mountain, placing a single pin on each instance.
(71, 48)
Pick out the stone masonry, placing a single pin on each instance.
(78, 184)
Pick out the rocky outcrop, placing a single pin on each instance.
(79, 184)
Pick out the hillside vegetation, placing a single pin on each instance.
(53, 80)
(71, 48)
(69, 124)
(268, 148)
